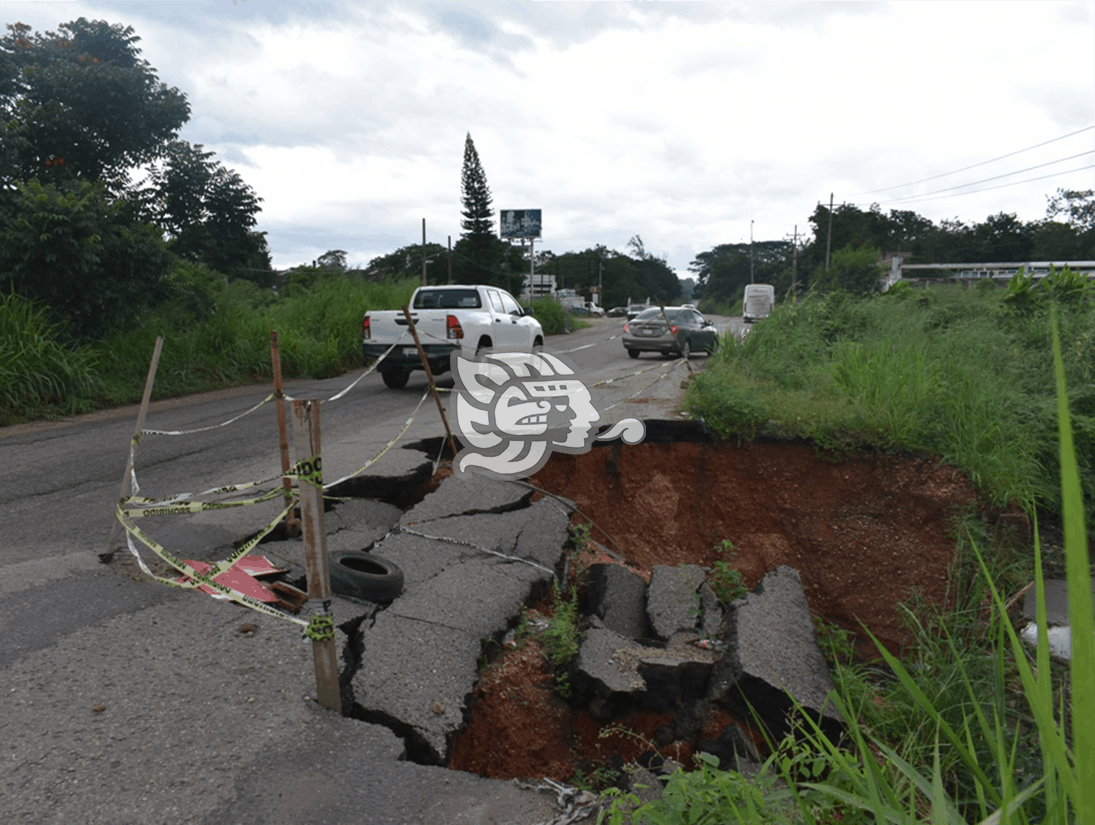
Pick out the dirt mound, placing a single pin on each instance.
(866, 533)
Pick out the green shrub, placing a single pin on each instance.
(549, 313)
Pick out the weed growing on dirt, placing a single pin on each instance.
(579, 537)
(597, 777)
(725, 580)
(560, 639)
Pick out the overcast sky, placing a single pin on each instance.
(688, 123)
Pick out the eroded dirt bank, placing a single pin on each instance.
(866, 532)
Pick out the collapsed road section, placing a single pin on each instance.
(471, 554)
(855, 536)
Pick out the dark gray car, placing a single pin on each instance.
(676, 331)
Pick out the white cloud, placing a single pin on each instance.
(681, 122)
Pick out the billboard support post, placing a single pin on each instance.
(522, 223)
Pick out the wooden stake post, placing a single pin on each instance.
(292, 525)
(309, 464)
(127, 479)
(429, 376)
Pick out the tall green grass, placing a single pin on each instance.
(949, 371)
(37, 370)
(215, 333)
(972, 728)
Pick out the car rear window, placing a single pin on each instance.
(448, 299)
(674, 315)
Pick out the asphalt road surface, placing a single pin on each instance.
(127, 701)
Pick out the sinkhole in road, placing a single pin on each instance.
(866, 530)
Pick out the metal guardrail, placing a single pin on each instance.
(1039, 269)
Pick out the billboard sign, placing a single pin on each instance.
(520, 223)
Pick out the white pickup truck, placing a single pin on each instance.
(447, 318)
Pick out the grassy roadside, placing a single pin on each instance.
(971, 726)
(216, 335)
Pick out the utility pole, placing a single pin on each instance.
(450, 259)
(424, 281)
(794, 262)
(829, 239)
(750, 252)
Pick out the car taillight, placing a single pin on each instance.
(453, 328)
(673, 330)
(627, 327)
(366, 328)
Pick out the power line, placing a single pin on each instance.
(974, 166)
(991, 188)
(989, 180)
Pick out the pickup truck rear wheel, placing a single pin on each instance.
(395, 379)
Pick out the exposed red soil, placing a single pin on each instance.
(866, 532)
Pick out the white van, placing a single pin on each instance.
(758, 303)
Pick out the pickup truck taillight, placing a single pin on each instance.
(453, 328)
(366, 328)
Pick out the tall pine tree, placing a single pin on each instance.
(478, 222)
(481, 257)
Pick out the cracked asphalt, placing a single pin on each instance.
(124, 701)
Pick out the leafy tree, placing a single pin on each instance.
(655, 277)
(724, 271)
(1002, 237)
(855, 270)
(406, 262)
(1078, 206)
(82, 253)
(1056, 241)
(80, 102)
(207, 210)
(333, 259)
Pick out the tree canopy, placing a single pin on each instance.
(81, 102)
(80, 112)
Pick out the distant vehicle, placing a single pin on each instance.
(634, 309)
(617, 312)
(687, 332)
(448, 318)
(758, 302)
(594, 310)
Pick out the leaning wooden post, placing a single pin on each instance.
(292, 524)
(127, 479)
(322, 631)
(429, 376)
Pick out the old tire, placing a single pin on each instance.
(395, 379)
(364, 576)
(634, 353)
